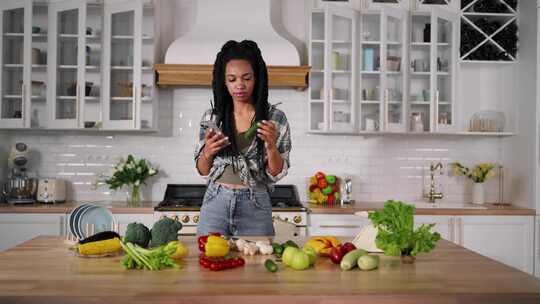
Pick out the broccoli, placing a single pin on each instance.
(164, 231)
(137, 233)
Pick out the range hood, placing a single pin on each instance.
(189, 59)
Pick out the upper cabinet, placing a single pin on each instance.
(83, 65)
(382, 68)
(383, 34)
(432, 84)
(333, 61)
(15, 61)
(128, 95)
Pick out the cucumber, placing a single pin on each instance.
(350, 260)
(251, 131)
(270, 265)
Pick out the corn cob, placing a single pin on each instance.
(100, 247)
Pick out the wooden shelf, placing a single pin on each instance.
(200, 75)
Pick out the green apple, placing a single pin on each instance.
(311, 253)
(288, 255)
(300, 260)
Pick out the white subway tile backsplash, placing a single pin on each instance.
(381, 167)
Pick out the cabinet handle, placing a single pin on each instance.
(436, 112)
(23, 104)
(78, 94)
(340, 226)
(135, 107)
(386, 110)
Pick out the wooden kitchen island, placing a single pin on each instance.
(42, 270)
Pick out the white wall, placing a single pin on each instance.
(519, 150)
(384, 167)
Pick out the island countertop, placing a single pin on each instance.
(42, 270)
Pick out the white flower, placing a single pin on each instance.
(137, 182)
(139, 170)
(151, 171)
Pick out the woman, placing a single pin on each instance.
(241, 167)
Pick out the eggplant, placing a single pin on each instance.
(100, 236)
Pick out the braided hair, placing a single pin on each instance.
(223, 103)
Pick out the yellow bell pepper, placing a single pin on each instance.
(323, 245)
(216, 246)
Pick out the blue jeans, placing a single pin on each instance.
(235, 212)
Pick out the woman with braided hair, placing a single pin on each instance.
(244, 144)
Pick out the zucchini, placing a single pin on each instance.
(100, 236)
(350, 260)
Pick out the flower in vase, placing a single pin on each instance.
(478, 174)
(128, 172)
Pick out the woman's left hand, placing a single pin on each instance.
(267, 131)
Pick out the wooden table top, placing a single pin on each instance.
(42, 270)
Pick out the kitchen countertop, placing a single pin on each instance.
(147, 207)
(42, 270)
(491, 209)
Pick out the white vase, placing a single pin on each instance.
(478, 193)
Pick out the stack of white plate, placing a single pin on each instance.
(88, 214)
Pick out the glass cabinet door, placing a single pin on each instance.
(341, 66)
(371, 37)
(445, 47)
(317, 61)
(123, 65)
(420, 81)
(15, 59)
(66, 58)
(393, 80)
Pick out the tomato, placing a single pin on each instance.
(230, 264)
(215, 266)
(206, 263)
(241, 261)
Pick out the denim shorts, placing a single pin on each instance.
(234, 212)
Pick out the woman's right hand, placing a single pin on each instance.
(213, 142)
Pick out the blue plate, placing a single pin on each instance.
(100, 217)
(73, 217)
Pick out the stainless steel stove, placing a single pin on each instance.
(183, 202)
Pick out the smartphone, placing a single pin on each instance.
(210, 124)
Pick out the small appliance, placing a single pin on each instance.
(19, 188)
(51, 190)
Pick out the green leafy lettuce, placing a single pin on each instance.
(397, 235)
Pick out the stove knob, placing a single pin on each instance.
(297, 219)
(185, 219)
(286, 219)
(175, 217)
(196, 219)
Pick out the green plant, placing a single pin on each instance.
(396, 234)
(478, 174)
(129, 172)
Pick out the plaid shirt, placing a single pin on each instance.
(249, 171)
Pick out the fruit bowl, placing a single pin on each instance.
(323, 189)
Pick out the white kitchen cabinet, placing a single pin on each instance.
(123, 219)
(128, 94)
(336, 225)
(433, 70)
(74, 68)
(333, 57)
(383, 40)
(15, 62)
(17, 228)
(444, 224)
(537, 247)
(506, 239)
